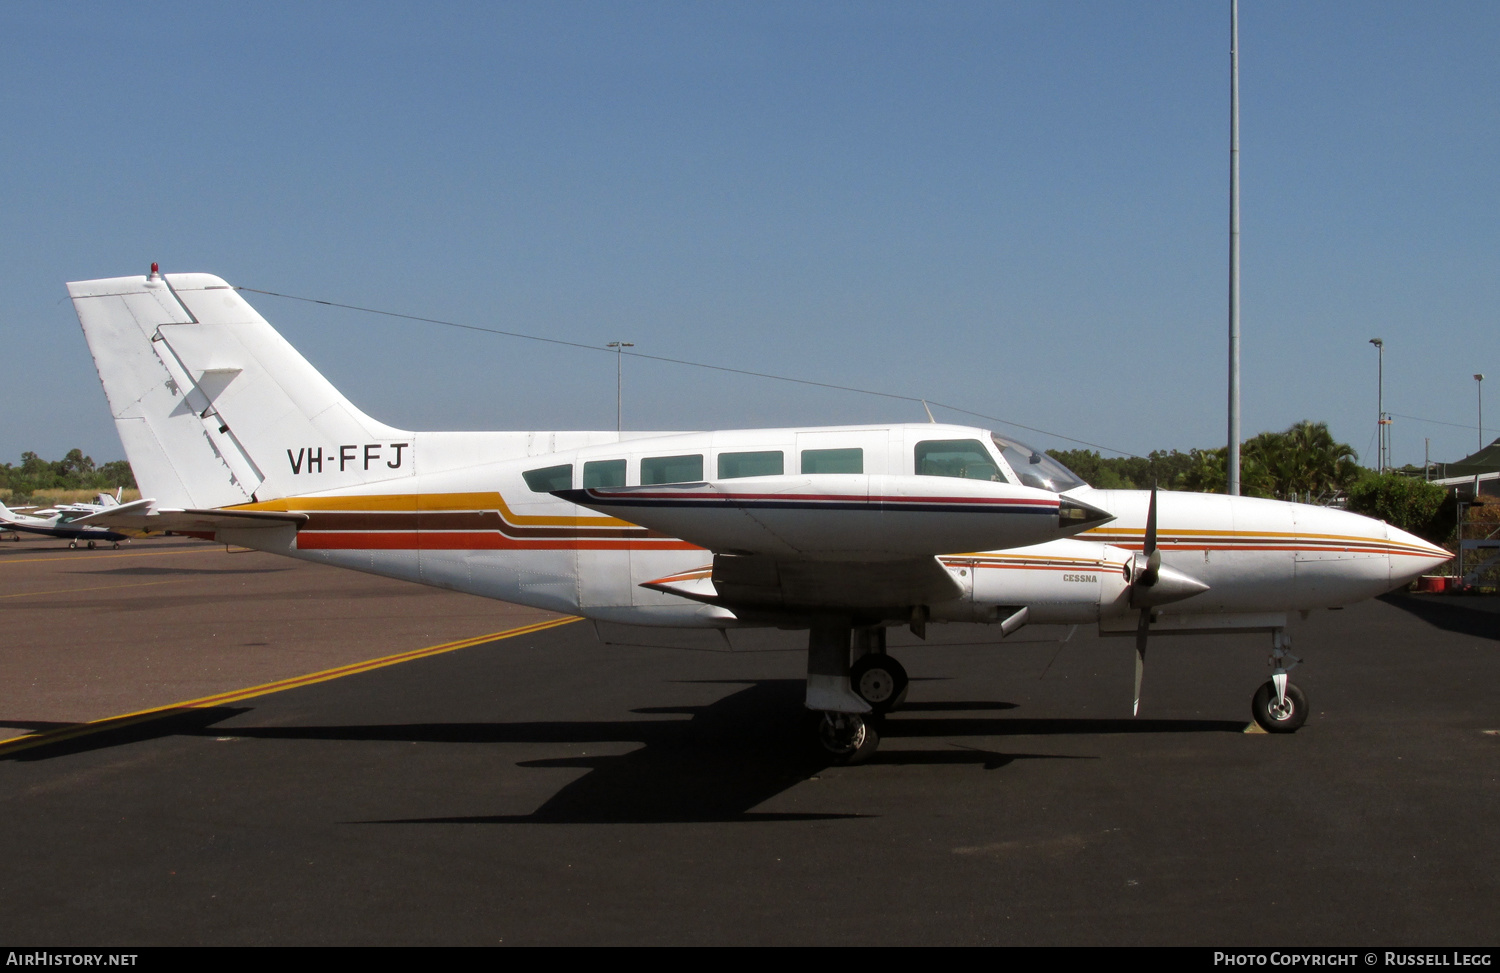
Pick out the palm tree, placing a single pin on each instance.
(1302, 463)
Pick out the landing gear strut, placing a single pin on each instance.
(847, 701)
(1278, 706)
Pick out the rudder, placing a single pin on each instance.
(213, 406)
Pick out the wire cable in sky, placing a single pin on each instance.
(1440, 422)
(681, 361)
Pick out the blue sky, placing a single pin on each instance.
(1017, 208)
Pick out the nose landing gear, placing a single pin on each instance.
(1278, 706)
(1283, 715)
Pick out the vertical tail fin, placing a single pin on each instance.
(213, 406)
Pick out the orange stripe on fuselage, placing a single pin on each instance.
(570, 532)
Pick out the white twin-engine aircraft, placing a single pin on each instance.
(839, 530)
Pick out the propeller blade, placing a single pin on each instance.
(1145, 579)
(1140, 657)
(1151, 522)
(1153, 556)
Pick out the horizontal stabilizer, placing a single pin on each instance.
(142, 515)
(846, 517)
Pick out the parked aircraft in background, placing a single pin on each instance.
(63, 521)
(843, 531)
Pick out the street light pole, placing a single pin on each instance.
(1479, 386)
(619, 347)
(1232, 465)
(1380, 404)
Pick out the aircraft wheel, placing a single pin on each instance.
(117, 545)
(72, 545)
(880, 681)
(1283, 719)
(847, 737)
(91, 545)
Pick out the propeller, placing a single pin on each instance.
(1152, 585)
(1147, 571)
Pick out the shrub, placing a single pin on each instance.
(1422, 508)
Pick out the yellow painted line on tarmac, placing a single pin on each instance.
(15, 744)
(85, 557)
(102, 587)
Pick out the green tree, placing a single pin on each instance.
(1414, 505)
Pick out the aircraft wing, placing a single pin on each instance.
(846, 517)
(144, 515)
(808, 544)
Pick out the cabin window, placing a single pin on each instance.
(833, 460)
(733, 466)
(549, 479)
(671, 469)
(963, 458)
(603, 473)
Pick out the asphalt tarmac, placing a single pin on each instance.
(553, 788)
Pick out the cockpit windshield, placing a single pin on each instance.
(1035, 468)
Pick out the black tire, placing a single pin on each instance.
(1263, 708)
(846, 738)
(880, 681)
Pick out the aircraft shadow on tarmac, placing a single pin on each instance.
(716, 765)
(1448, 613)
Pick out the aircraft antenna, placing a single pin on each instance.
(1233, 470)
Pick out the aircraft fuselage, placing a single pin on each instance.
(495, 529)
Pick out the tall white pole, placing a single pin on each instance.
(619, 347)
(1380, 424)
(1234, 248)
(1479, 386)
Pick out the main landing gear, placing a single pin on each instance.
(847, 700)
(1278, 706)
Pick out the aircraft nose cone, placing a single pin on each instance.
(1076, 514)
(1171, 585)
(1411, 556)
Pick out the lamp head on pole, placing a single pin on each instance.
(1478, 378)
(1377, 342)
